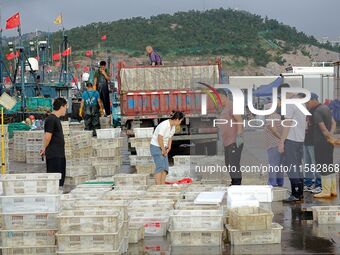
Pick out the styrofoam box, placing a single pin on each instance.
(326, 214)
(143, 132)
(279, 194)
(196, 219)
(119, 206)
(131, 179)
(203, 237)
(236, 201)
(153, 226)
(90, 241)
(136, 232)
(38, 250)
(108, 133)
(22, 238)
(30, 203)
(144, 152)
(250, 218)
(21, 221)
(97, 221)
(268, 236)
(26, 184)
(210, 197)
(262, 193)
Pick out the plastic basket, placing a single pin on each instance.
(136, 232)
(203, 237)
(22, 238)
(108, 152)
(144, 152)
(143, 132)
(131, 179)
(326, 214)
(7, 101)
(21, 221)
(105, 170)
(153, 226)
(108, 133)
(37, 250)
(140, 142)
(250, 218)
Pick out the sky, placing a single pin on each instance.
(319, 18)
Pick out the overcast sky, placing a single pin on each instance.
(314, 17)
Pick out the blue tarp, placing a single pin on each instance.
(267, 90)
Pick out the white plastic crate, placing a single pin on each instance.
(267, 236)
(30, 203)
(123, 195)
(168, 188)
(132, 160)
(95, 252)
(250, 218)
(105, 170)
(117, 161)
(26, 184)
(21, 221)
(74, 171)
(326, 214)
(203, 237)
(144, 152)
(279, 194)
(108, 152)
(108, 133)
(196, 219)
(90, 241)
(262, 193)
(186, 160)
(145, 168)
(168, 203)
(153, 226)
(140, 142)
(22, 238)
(108, 143)
(136, 232)
(242, 201)
(76, 180)
(134, 188)
(97, 221)
(131, 179)
(164, 195)
(143, 132)
(38, 250)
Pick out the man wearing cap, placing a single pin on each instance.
(323, 127)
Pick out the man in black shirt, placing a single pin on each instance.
(54, 144)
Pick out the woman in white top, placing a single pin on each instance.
(161, 145)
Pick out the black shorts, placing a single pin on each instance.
(57, 165)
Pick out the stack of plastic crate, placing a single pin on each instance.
(67, 139)
(19, 152)
(141, 142)
(34, 142)
(29, 208)
(252, 225)
(196, 228)
(78, 170)
(108, 159)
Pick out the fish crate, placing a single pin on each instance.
(183, 205)
(35, 135)
(37, 250)
(106, 170)
(22, 221)
(82, 152)
(107, 152)
(34, 158)
(106, 205)
(87, 242)
(143, 132)
(187, 160)
(108, 143)
(144, 152)
(81, 141)
(131, 179)
(248, 237)
(81, 162)
(153, 225)
(129, 188)
(140, 142)
(108, 133)
(26, 238)
(123, 195)
(117, 161)
(34, 146)
(164, 195)
(145, 168)
(199, 237)
(30, 203)
(168, 188)
(80, 221)
(190, 250)
(279, 194)
(76, 180)
(250, 218)
(196, 219)
(168, 203)
(136, 232)
(74, 171)
(19, 156)
(28, 184)
(326, 214)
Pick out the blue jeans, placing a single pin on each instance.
(309, 159)
(274, 160)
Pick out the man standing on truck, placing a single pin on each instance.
(91, 108)
(101, 82)
(154, 57)
(53, 142)
(232, 136)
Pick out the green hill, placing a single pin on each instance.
(212, 32)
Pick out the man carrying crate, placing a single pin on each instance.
(53, 142)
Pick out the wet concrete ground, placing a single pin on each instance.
(300, 235)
